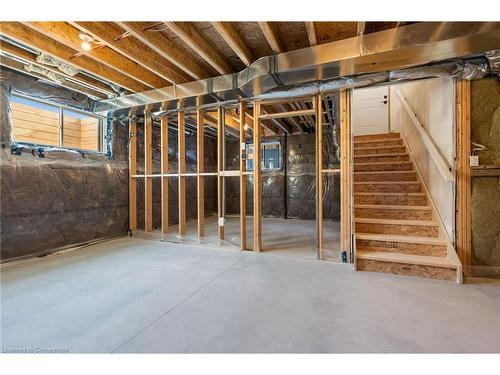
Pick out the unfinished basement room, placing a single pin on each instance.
(250, 186)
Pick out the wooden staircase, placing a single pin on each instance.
(397, 227)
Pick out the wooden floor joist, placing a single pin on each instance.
(181, 137)
(132, 182)
(200, 155)
(164, 179)
(148, 181)
(257, 180)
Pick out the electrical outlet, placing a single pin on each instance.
(474, 161)
(221, 221)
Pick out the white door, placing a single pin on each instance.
(370, 110)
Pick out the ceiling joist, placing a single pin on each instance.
(311, 33)
(190, 35)
(271, 33)
(69, 36)
(108, 33)
(231, 36)
(163, 46)
(38, 41)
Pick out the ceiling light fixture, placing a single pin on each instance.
(86, 40)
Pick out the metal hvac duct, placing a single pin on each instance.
(399, 48)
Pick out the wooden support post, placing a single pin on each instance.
(181, 136)
(220, 168)
(148, 181)
(164, 179)
(243, 202)
(132, 168)
(257, 179)
(200, 155)
(345, 172)
(317, 106)
(463, 178)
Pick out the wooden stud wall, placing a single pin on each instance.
(164, 179)
(200, 154)
(318, 106)
(257, 179)
(148, 164)
(220, 167)
(463, 175)
(345, 173)
(243, 203)
(181, 174)
(132, 183)
(181, 135)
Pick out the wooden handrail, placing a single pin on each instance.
(437, 158)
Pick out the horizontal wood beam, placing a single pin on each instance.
(270, 32)
(231, 36)
(303, 112)
(38, 41)
(109, 34)
(69, 36)
(163, 46)
(190, 35)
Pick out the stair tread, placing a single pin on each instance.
(377, 147)
(388, 139)
(393, 207)
(380, 155)
(400, 238)
(386, 182)
(383, 162)
(390, 193)
(378, 172)
(396, 221)
(422, 260)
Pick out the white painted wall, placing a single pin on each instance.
(433, 101)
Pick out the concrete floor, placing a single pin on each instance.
(284, 236)
(133, 295)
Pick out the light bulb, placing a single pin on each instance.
(245, 127)
(86, 46)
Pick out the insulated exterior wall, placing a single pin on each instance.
(290, 192)
(485, 200)
(191, 182)
(63, 198)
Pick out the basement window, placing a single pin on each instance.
(42, 123)
(271, 156)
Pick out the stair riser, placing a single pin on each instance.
(370, 137)
(392, 200)
(389, 150)
(403, 229)
(380, 213)
(388, 188)
(402, 247)
(382, 167)
(381, 143)
(382, 177)
(380, 159)
(429, 272)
